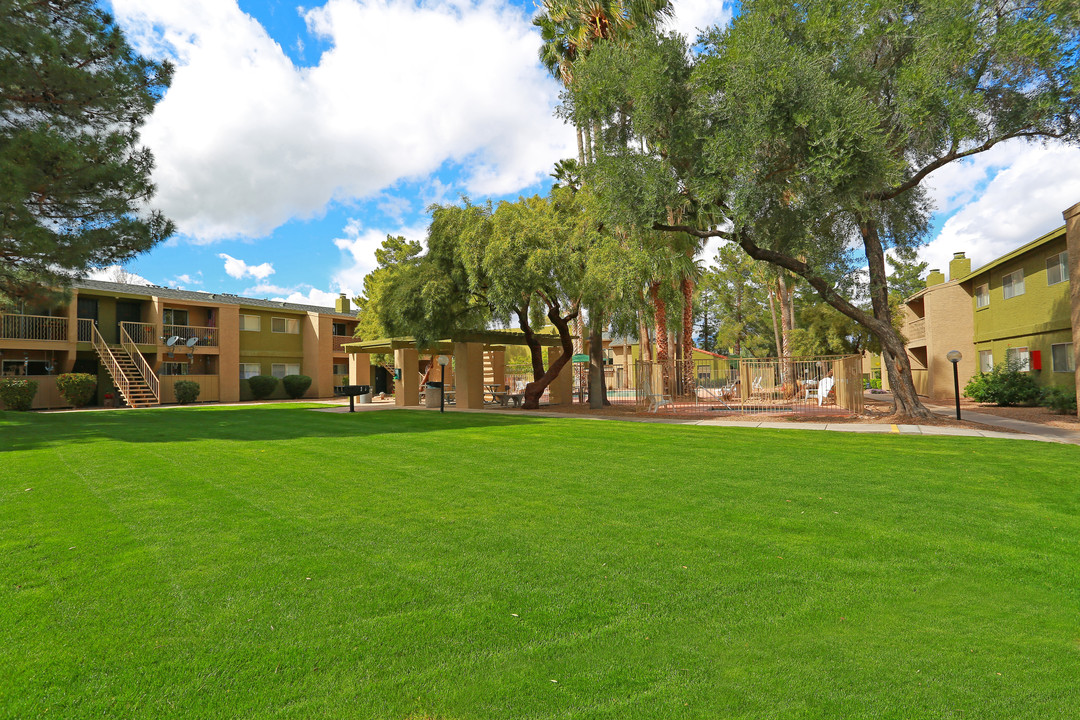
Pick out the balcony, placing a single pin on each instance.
(207, 336)
(339, 343)
(41, 328)
(915, 332)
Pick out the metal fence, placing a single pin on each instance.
(830, 385)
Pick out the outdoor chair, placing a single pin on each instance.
(655, 401)
(824, 387)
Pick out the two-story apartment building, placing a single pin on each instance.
(139, 340)
(1020, 306)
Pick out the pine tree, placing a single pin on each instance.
(76, 182)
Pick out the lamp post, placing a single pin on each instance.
(443, 361)
(955, 357)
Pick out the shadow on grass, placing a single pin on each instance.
(28, 431)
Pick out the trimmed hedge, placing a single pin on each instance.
(77, 388)
(17, 393)
(296, 385)
(262, 386)
(186, 391)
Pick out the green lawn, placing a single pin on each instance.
(278, 562)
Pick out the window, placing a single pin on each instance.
(251, 323)
(982, 296)
(1063, 358)
(1013, 284)
(173, 368)
(171, 316)
(249, 370)
(1020, 356)
(986, 361)
(341, 369)
(280, 370)
(1057, 268)
(285, 325)
(339, 329)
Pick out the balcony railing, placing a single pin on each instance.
(340, 340)
(915, 330)
(140, 333)
(207, 336)
(86, 330)
(33, 327)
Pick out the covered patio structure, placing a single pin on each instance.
(467, 374)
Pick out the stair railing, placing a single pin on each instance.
(132, 349)
(107, 357)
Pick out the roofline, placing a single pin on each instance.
(1041, 240)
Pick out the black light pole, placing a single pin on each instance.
(443, 361)
(955, 357)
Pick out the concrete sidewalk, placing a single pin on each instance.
(1033, 431)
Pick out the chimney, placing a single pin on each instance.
(341, 305)
(959, 266)
(934, 278)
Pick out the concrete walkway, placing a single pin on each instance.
(1034, 431)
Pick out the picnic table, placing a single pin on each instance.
(501, 395)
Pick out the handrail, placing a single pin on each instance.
(106, 354)
(207, 335)
(14, 326)
(140, 333)
(140, 362)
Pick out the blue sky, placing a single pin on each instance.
(295, 138)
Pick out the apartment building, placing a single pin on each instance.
(139, 340)
(1024, 305)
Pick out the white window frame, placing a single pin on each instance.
(258, 323)
(171, 313)
(337, 368)
(1023, 355)
(182, 367)
(1059, 262)
(1070, 358)
(1012, 284)
(246, 370)
(293, 323)
(982, 296)
(986, 360)
(283, 369)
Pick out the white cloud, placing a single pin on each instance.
(1027, 187)
(265, 289)
(313, 296)
(237, 268)
(693, 16)
(360, 245)
(117, 274)
(244, 140)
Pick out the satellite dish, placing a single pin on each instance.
(192, 342)
(173, 340)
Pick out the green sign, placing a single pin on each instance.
(581, 357)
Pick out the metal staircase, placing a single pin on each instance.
(131, 374)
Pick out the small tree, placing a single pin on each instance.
(262, 386)
(186, 391)
(17, 393)
(296, 385)
(77, 388)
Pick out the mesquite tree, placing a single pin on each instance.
(803, 132)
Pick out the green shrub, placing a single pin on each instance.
(873, 384)
(1059, 399)
(1005, 385)
(186, 391)
(77, 388)
(262, 385)
(17, 393)
(296, 385)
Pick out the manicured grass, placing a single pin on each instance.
(278, 562)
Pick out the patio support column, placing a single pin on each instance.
(498, 367)
(561, 388)
(359, 368)
(407, 389)
(469, 366)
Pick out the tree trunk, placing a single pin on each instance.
(644, 341)
(688, 318)
(660, 322)
(580, 146)
(597, 397)
(787, 322)
(775, 325)
(535, 389)
(895, 359)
